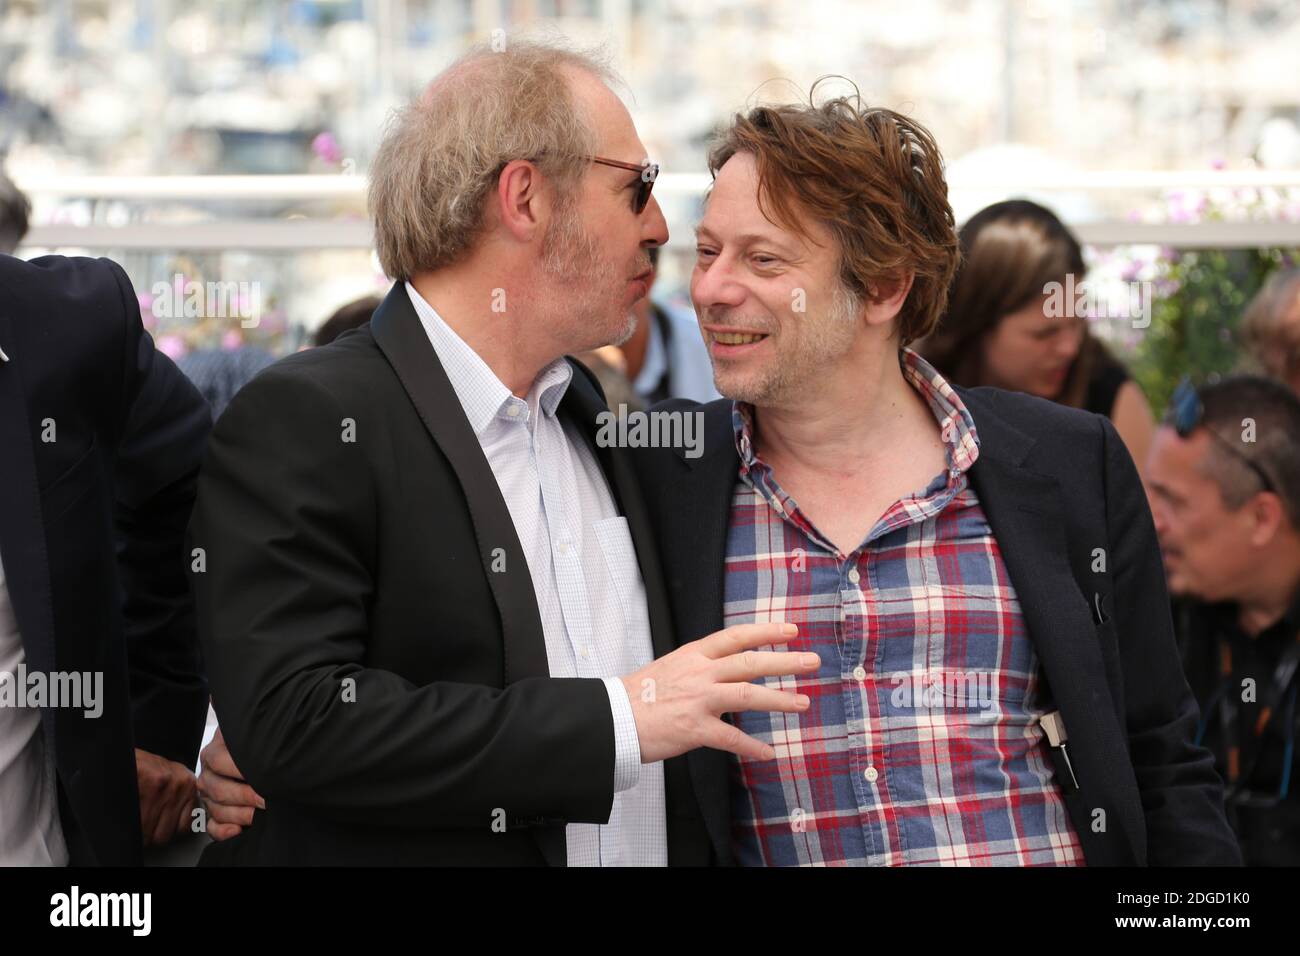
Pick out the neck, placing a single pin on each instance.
(850, 420)
(465, 298)
(1278, 588)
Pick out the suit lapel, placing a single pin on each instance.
(400, 336)
(701, 498)
(402, 339)
(22, 530)
(1024, 509)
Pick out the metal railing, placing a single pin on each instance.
(314, 233)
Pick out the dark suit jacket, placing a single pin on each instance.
(1055, 484)
(378, 683)
(91, 532)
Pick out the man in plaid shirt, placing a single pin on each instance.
(977, 569)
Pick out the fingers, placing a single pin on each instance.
(751, 665)
(217, 756)
(225, 814)
(723, 736)
(730, 698)
(223, 831)
(170, 811)
(743, 637)
(228, 790)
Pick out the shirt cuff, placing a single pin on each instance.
(627, 745)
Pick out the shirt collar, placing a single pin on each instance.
(956, 426)
(483, 396)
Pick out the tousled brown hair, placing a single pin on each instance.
(873, 177)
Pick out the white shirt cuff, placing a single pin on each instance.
(627, 745)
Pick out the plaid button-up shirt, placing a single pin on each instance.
(922, 744)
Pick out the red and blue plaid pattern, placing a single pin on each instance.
(922, 744)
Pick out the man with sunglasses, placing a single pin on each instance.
(1225, 490)
(430, 603)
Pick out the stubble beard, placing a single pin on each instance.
(586, 283)
(794, 371)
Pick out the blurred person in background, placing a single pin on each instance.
(353, 315)
(1224, 477)
(219, 373)
(998, 329)
(609, 365)
(665, 357)
(100, 440)
(15, 213)
(1270, 329)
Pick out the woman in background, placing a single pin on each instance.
(998, 330)
(1270, 330)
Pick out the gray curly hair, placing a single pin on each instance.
(441, 154)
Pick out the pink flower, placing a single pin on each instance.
(327, 147)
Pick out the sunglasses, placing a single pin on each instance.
(1187, 414)
(649, 173)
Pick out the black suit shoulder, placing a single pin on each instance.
(348, 368)
(1040, 418)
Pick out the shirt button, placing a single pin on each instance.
(585, 652)
(871, 773)
(562, 546)
(859, 673)
(512, 411)
(854, 577)
(780, 508)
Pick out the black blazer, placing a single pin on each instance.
(91, 532)
(377, 681)
(1055, 484)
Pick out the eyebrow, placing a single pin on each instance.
(1164, 491)
(749, 239)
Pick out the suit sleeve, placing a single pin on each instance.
(1182, 795)
(287, 516)
(161, 424)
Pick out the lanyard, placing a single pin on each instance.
(1239, 771)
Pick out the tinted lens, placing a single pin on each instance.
(648, 177)
(1187, 409)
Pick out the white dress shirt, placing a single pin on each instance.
(584, 570)
(30, 832)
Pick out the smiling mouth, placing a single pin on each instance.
(737, 338)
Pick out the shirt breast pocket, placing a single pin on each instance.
(624, 571)
(979, 650)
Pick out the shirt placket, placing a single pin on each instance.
(858, 644)
(563, 518)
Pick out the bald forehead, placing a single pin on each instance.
(609, 118)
